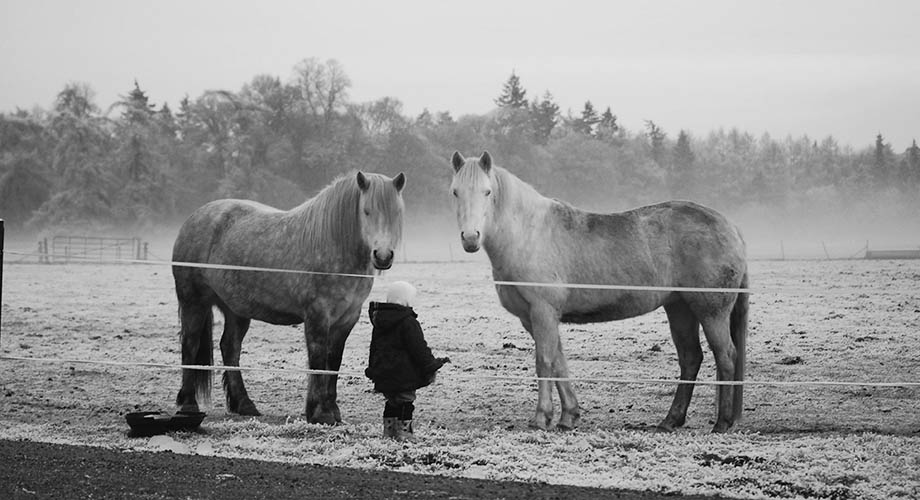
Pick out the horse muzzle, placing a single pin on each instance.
(383, 259)
(470, 240)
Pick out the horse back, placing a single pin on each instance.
(207, 228)
(669, 244)
(242, 233)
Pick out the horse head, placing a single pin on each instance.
(380, 209)
(471, 188)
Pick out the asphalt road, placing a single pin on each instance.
(33, 470)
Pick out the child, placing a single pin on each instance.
(400, 361)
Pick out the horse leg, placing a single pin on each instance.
(544, 324)
(196, 320)
(231, 341)
(717, 331)
(685, 331)
(320, 407)
(338, 336)
(571, 413)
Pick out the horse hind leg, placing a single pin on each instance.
(196, 337)
(685, 332)
(231, 341)
(718, 334)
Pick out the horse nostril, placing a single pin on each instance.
(383, 255)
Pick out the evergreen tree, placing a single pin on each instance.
(544, 116)
(883, 162)
(585, 124)
(681, 175)
(879, 151)
(513, 94)
(136, 136)
(656, 138)
(167, 121)
(607, 128)
(137, 108)
(911, 174)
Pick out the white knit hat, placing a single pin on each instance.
(400, 292)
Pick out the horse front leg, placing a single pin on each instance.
(324, 352)
(339, 335)
(571, 413)
(550, 363)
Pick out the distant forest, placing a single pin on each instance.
(140, 164)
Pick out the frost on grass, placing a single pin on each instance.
(794, 442)
(742, 465)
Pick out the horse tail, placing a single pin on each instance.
(199, 336)
(738, 328)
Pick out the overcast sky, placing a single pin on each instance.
(845, 68)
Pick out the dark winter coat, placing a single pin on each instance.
(400, 359)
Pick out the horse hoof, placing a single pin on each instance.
(323, 419)
(246, 408)
(720, 428)
(540, 424)
(663, 428)
(668, 425)
(250, 412)
(567, 423)
(189, 408)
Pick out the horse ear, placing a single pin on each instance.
(457, 161)
(362, 181)
(399, 182)
(485, 161)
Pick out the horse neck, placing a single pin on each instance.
(331, 230)
(517, 205)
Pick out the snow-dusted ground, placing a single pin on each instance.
(816, 320)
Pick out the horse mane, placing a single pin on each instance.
(331, 221)
(505, 185)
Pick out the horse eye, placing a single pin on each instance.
(367, 212)
(488, 192)
(455, 193)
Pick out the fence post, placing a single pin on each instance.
(2, 235)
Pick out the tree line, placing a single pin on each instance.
(139, 164)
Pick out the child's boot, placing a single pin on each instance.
(391, 427)
(405, 430)
(391, 424)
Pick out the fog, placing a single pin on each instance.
(813, 232)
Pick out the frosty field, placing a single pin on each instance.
(850, 320)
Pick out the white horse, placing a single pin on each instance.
(531, 238)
